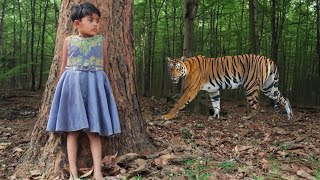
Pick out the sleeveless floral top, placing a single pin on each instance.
(85, 53)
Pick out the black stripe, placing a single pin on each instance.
(216, 98)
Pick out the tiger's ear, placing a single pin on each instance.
(167, 59)
(183, 58)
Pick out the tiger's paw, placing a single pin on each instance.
(167, 117)
(215, 116)
(246, 117)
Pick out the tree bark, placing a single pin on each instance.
(20, 41)
(318, 36)
(253, 28)
(3, 13)
(149, 55)
(274, 33)
(47, 151)
(14, 60)
(190, 12)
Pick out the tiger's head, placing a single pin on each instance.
(177, 68)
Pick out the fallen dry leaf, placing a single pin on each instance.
(164, 159)
(244, 148)
(35, 172)
(265, 164)
(4, 145)
(110, 161)
(306, 175)
(17, 149)
(129, 157)
(87, 173)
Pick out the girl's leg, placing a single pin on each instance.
(72, 148)
(95, 146)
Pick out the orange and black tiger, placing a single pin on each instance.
(253, 72)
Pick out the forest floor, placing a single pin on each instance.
(191, 146)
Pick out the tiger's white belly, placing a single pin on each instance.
(215, 87)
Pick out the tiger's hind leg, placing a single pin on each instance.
(271, 90)
(215, 100)
(252, 98)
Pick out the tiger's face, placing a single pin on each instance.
(176, 69)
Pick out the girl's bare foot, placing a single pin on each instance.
(98, 176)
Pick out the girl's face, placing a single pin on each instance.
(88, 26)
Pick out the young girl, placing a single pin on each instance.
(83, 99)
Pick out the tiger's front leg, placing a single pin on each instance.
(185, 99)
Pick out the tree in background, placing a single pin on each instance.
(190, 9)
(48, 152)
(253, 28)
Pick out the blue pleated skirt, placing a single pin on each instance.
(83, 100)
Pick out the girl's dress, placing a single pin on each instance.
(83, 99)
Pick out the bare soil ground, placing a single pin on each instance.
(192, 146)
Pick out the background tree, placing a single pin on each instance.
(190, 9)
(253, 28)
(48, 151)
(3, 13)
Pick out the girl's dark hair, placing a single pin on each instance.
(84, 9)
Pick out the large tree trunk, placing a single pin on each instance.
(47, 151)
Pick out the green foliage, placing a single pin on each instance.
(138, 177)
(259, 178)
(196, 169)
(14, 72)
(16, 44)
(228, 165)
(187, 134)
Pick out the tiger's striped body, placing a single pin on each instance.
(253, 72)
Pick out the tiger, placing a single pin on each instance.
(250, 71)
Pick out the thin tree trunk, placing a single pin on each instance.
(149, 60)
(33, 13)
(297, 64)
(241, 29)
(318, 36)
(47, 150)
(56, 13)
(26, 57)
(262, 27)
(14, 60)
(274, 33)
(42, 43)
(156, 15)
(142, 64)
(166, 52)
(253, 28)
(212, 33)
(38, 45)
(3, 12)
(20, 41)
